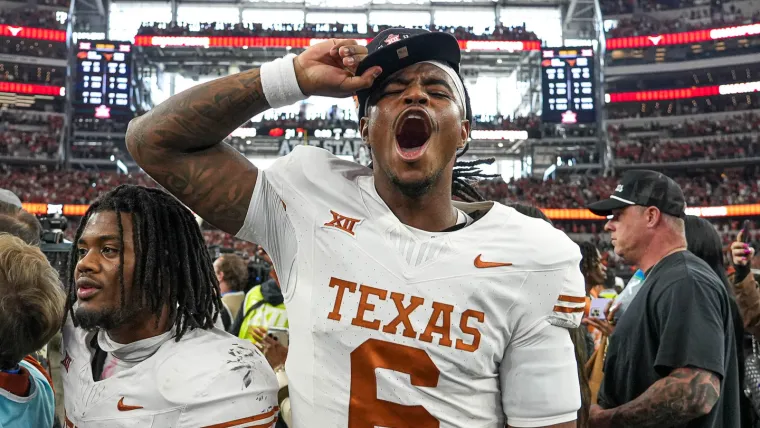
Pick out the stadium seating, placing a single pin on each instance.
(319, 30)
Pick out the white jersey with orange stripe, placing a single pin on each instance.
(208, 379)
(403, 328)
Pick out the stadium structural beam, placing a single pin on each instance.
(578, 19)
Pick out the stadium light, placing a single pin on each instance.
(32, 89)
(304, 42)
(686, 37)
(32, 33)
(682, 93)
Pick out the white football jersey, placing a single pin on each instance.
(394, 327)
(207, 379)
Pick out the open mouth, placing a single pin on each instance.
(413, 131)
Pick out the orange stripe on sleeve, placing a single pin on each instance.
(571, 299)
(249, 419)
(568, 310)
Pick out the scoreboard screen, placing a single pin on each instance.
(104, 78)
(567, 84)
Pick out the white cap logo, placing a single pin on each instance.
(392, 38)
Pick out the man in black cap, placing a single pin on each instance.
(671, 360)
(406, 309)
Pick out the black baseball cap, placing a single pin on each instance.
(647, 189)
(397, 48)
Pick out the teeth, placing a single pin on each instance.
(415, 116)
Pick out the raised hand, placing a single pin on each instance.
(328, 69)
(741, 253)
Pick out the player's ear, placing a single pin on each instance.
(464, 133)
(364, 130)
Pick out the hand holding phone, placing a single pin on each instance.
(743, 235)
(279, 334)
(742, 253)
(598, 308)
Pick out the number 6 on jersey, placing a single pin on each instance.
(365, 410)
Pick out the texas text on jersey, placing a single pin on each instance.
(394, 326)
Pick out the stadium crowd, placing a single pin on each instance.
(684, 107)
(645, 25)
(30, 47)
(707, 189)
(45, 75)
(320, 30)
(162, 254)
(730, 187)
(656, 150)
(333, 120)
(738, 124)
(40, 18)
(30, 135)
(692, 79)
(623, 7)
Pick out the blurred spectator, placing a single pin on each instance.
(293, 121)
(77, 187)
(22, 73)
(91, 124)
(704, 188)
(713, 104)
(729, 188)
(320, 30)
(232, 274)
(29, 134)
(32, 304)
(40, 145)
(651, 355)
(687, 80)
(31, 47)
(652, 150)
(645, 24)
(32, 17)
(691, 127)
(703, 241)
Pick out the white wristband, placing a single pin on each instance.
(278, 79)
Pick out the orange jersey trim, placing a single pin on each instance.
(249, 419)
(571, 299)
(566, 310)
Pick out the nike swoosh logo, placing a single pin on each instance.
(125, 408)
(480, 264)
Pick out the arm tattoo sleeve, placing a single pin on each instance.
(201, 116)
(179, 144)
(685, 394)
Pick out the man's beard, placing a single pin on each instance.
(106, 319)
(415, 189)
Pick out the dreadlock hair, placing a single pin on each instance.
(530, 211)
(465, 172)
(172, 266)
(589, 258)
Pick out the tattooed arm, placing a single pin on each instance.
(685, 394)
(179, 142)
